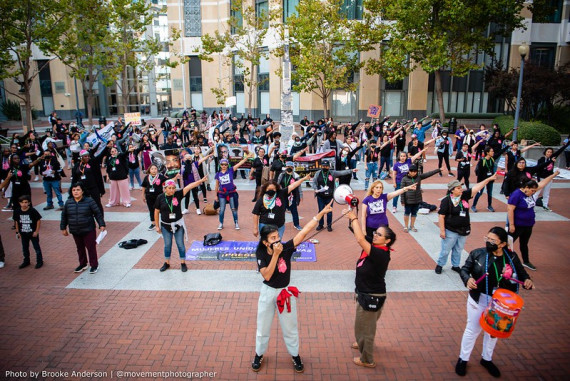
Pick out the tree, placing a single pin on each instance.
(86, 45)
(26, 24)
(325, 48)
(242, 40)
(133, 48)
(439, 35)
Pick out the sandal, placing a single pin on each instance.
(354, 345)
(357, 361)
(405, 230)
(414, 229)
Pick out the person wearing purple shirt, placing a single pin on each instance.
(226, 191)
(400, 169)
(373, 211)
(520, 211)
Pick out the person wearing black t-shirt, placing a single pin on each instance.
(274, 264)
(151, 189)
(371, 269)
(51, 171)
(271, 206)
(27, 221)
(454, 223)
(168, 210)
(259, 164)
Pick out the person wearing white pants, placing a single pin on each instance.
(274, 263)
(483, 272)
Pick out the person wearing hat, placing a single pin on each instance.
(277, 165)
(444, 151)
(226, 191)
(454, 223)
(324, 185)
(275, 147)
(88, 172)
(287, 178)
(412, 198)
(51, 171)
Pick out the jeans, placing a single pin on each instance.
(26, 238)
(294, 213)
(489, 194)
(322, 202)
(233, 206)
(352, 165)
(54, 185)
(371, 170)
(135, 172)
(280, 229)
(178, 236)
(453, 242)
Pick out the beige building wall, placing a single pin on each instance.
(369, 87)
(417, 90)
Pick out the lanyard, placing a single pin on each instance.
(287, 179)
(497, 271)
(167, 204)
(491, 162)
(325, 178)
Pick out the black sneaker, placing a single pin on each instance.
(298, 364)
(80, 268)
(329, 228)
(24, 264)
(319, 228)
(461, 367)
(208, 187)
(93, 270)
(256, 364)
(438, 269)
(164, 267)
(183, 267)
(529, 266)
(39, 265)
(491, 368)
(151, 227)
(48, 207)
(457, 269)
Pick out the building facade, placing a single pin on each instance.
(166, 90)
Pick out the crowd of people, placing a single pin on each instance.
(391, 151)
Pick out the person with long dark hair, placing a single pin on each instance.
(152, 188)
(492, 262)
(77, 218)
(371, 268)
(274, 264)
(520, 212)
(547, 162)
(226, 191)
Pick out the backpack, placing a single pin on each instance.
(132, 244)
(212, 239)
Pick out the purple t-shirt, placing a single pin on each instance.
(401, 169)
(524, 208)
(376, 214)
(226, 181)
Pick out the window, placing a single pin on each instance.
(352, 9)
(195, 67)
(543, 56)
(192, 18)
(289, 8)
(237, 17)
(555, 12)
(262, 10)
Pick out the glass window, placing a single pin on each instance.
(343, 103)
(192, 18)
(264, 102)
(195, 66)
(263, 65)
(237, 15)
(240, 102)
(289, 8)
(296, 103)
(476, 80)
(263, 82)
(555, 16)
(262, 10)
(392, 103)
(543, 56)
(196, 101)
(352, 9)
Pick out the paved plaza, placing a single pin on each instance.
(129, 317)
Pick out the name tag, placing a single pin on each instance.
(271, 215)
(16, 182)
(172, 216)
(114, 169)
(489, 173)
(151, 190)
(462, 214)
(83, 177)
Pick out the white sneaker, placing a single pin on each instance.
(220, 226)
(198, 211)
(1, 265)
(108, 206)
(394, 209)
(185, 211)
(36, 178)
(237, 226)
(127, 205)
(425, 160)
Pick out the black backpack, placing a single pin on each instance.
(132, 244)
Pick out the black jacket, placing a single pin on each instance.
(479, 260)
(79, 216)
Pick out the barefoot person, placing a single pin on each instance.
(274, 263)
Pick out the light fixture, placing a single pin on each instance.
(523, 49)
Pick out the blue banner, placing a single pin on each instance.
(242, 251)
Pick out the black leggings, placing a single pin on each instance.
(150, 201)
(443, 156)
(195, 196)
(463, 174)
(524, 233)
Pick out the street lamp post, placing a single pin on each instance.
(523, 51)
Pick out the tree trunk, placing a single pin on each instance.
(125, 90)
(30, 122)
(439, 93)
(89, 103)
(250, 92)
(325, 99)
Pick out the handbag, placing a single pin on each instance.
(370, 302)
(210, 210)
(212, 239)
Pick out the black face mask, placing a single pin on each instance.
(289, 170)
(491, 247)
(274, 243)
(270, 193)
